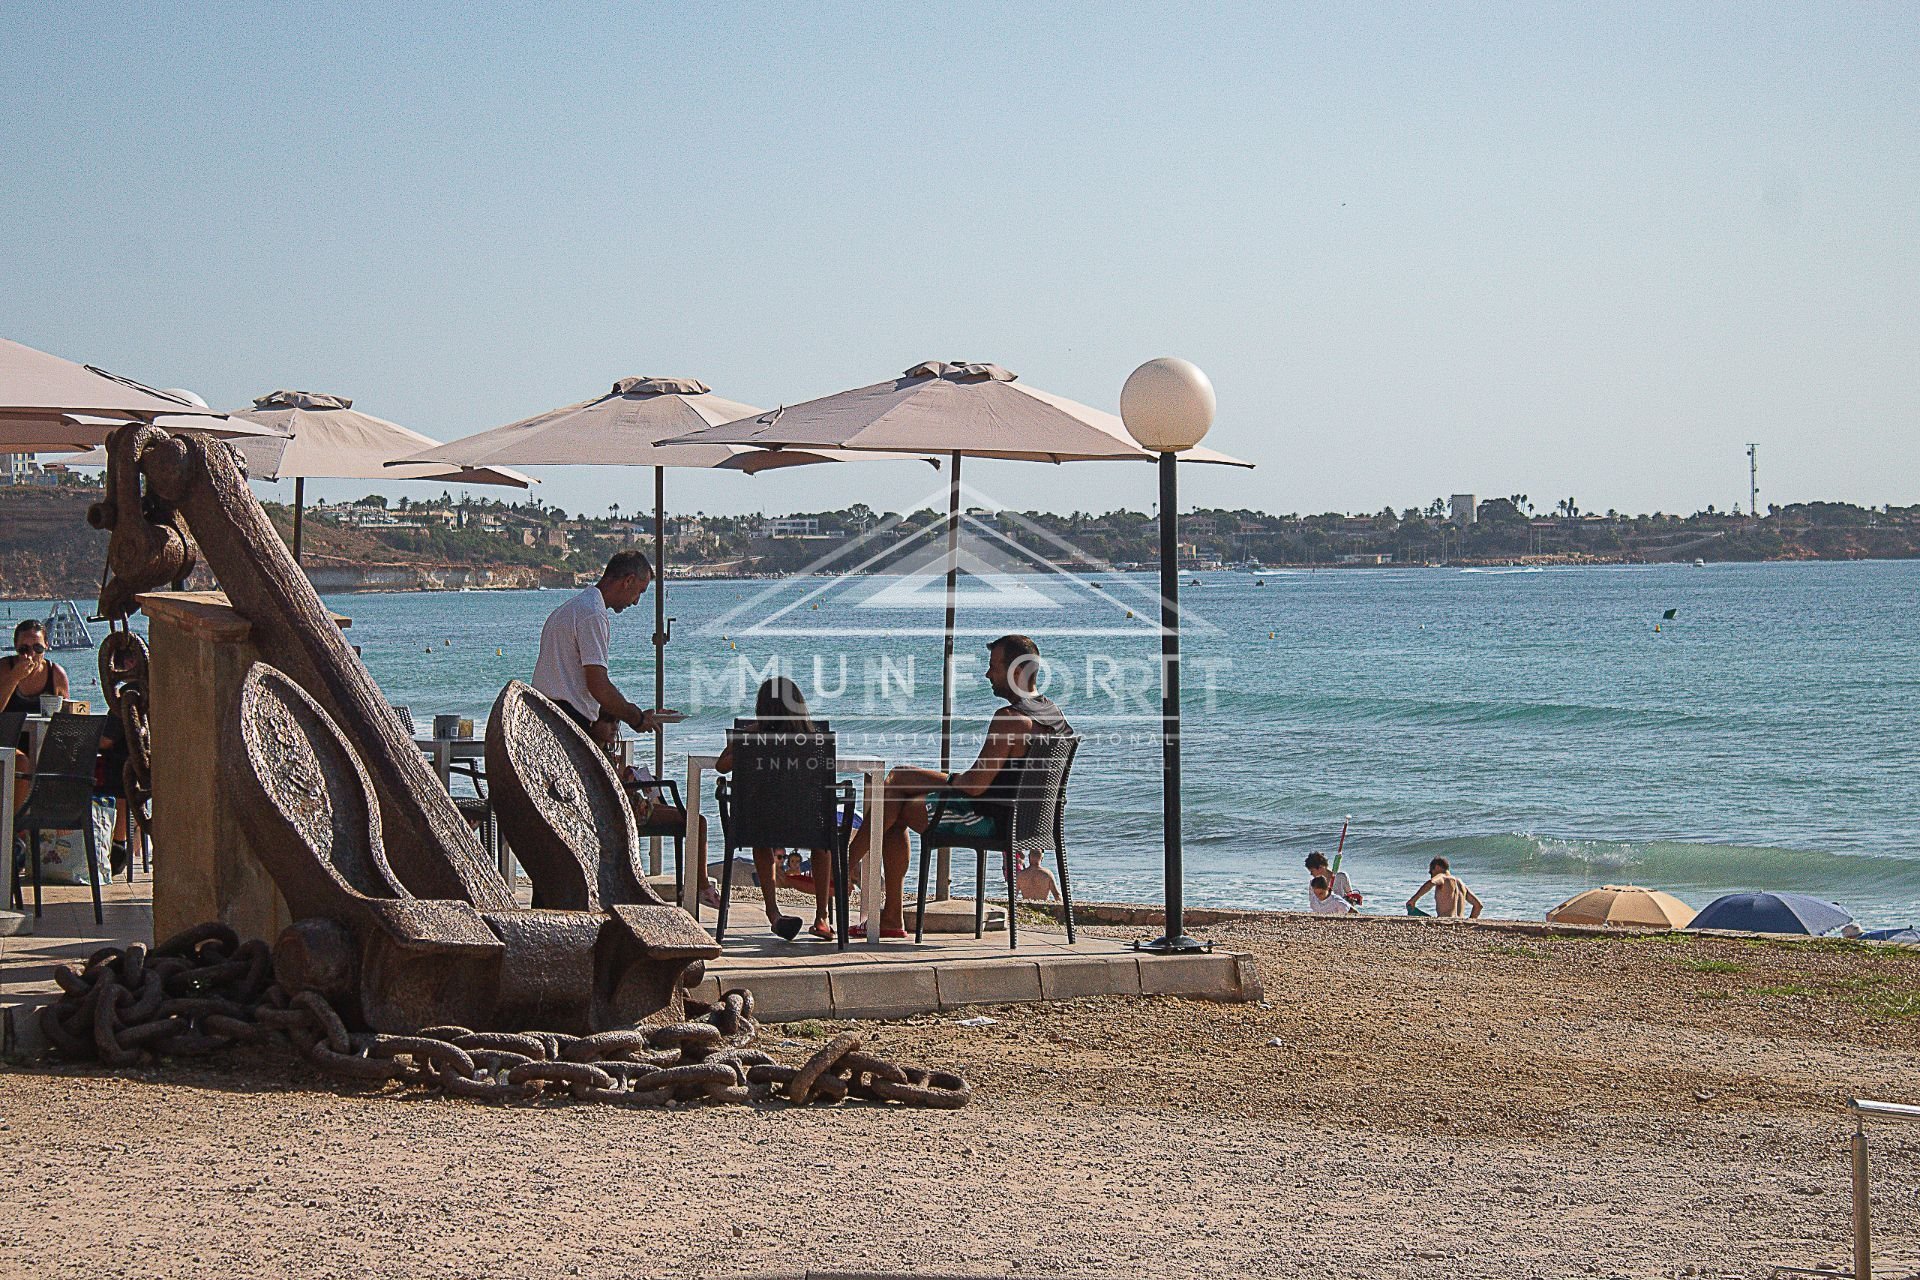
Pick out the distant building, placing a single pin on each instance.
(1367, 558)
(16, 468)
(1461, 508)
(792, 527)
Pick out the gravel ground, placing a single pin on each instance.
(1442, 1101)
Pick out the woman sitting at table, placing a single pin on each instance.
(26, 675)
(780, 707)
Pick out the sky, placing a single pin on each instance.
(1566, 250)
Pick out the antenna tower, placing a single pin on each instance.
(1753, 481)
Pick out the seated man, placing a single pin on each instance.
(976, 801)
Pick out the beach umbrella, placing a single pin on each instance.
(961, 411)
(325, 438)
(1626, 905)
(1771, 913)
(51, 405)
(1905, 933)
(625, 427)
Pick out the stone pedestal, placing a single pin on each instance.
(203, 867)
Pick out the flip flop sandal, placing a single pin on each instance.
(824, 932)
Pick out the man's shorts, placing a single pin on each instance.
(962, 819)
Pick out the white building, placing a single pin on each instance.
(792, 527)
(1461, 508)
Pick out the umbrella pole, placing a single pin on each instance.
(659, 640)
(946, 663)
(299, 502)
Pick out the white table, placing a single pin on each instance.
(693, 866)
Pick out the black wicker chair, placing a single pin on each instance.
(784, 793)
(62, 799)
(1035, 822)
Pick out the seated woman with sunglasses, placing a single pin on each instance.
(26, 675)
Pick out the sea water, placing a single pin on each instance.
(1545, 729)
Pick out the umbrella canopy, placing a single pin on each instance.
(325, 437)
(1627, 905)
(1905, 933)
(50, 405)
(624, 428)
(1771, 913)
(977, 410)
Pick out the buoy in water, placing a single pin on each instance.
(499, 653)
(446, 644)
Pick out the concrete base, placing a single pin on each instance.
(794, 980)
(790, 980)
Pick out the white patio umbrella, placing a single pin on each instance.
(625, 427)
(325, 438)
(50, 405)
(960, 410)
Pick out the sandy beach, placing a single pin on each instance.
(1442, 1100)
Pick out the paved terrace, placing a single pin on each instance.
(790, 980)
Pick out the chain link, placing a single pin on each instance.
(204, 990)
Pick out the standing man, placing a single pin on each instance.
(574, 643)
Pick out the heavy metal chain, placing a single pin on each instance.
(204, 990)
(123, 682)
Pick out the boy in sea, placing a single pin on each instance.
(1450, 892)
(1323, 901)
(1337, 882)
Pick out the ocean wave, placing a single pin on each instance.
(1667, 863)
(1468, 711)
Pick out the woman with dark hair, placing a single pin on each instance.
(780, 707)
(26, 675)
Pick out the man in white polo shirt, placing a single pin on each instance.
(574, 643)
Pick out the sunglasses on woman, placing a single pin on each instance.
(31, 649)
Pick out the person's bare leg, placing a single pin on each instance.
(763, 872)
(822, 888)
(896, 852)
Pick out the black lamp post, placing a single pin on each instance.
(1168, 405)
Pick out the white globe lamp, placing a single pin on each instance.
(1167, 405)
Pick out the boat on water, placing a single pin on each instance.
(1699, 564)
(67, 627)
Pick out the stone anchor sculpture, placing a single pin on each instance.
(352, 824)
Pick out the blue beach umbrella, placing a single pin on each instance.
(1772, 913)
(1905, 933)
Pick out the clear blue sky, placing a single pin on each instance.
(1584, 250)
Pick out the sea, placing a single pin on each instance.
(1702, 729)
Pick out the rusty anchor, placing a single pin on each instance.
(396, 907)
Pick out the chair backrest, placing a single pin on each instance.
(1040, 797)
(63, 771)
(404, 715)
(781, 794)
(12, 725)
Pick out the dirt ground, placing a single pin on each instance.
(1410, 1101)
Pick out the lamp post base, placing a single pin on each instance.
(1177, 945)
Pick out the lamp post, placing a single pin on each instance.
(1168, 405)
